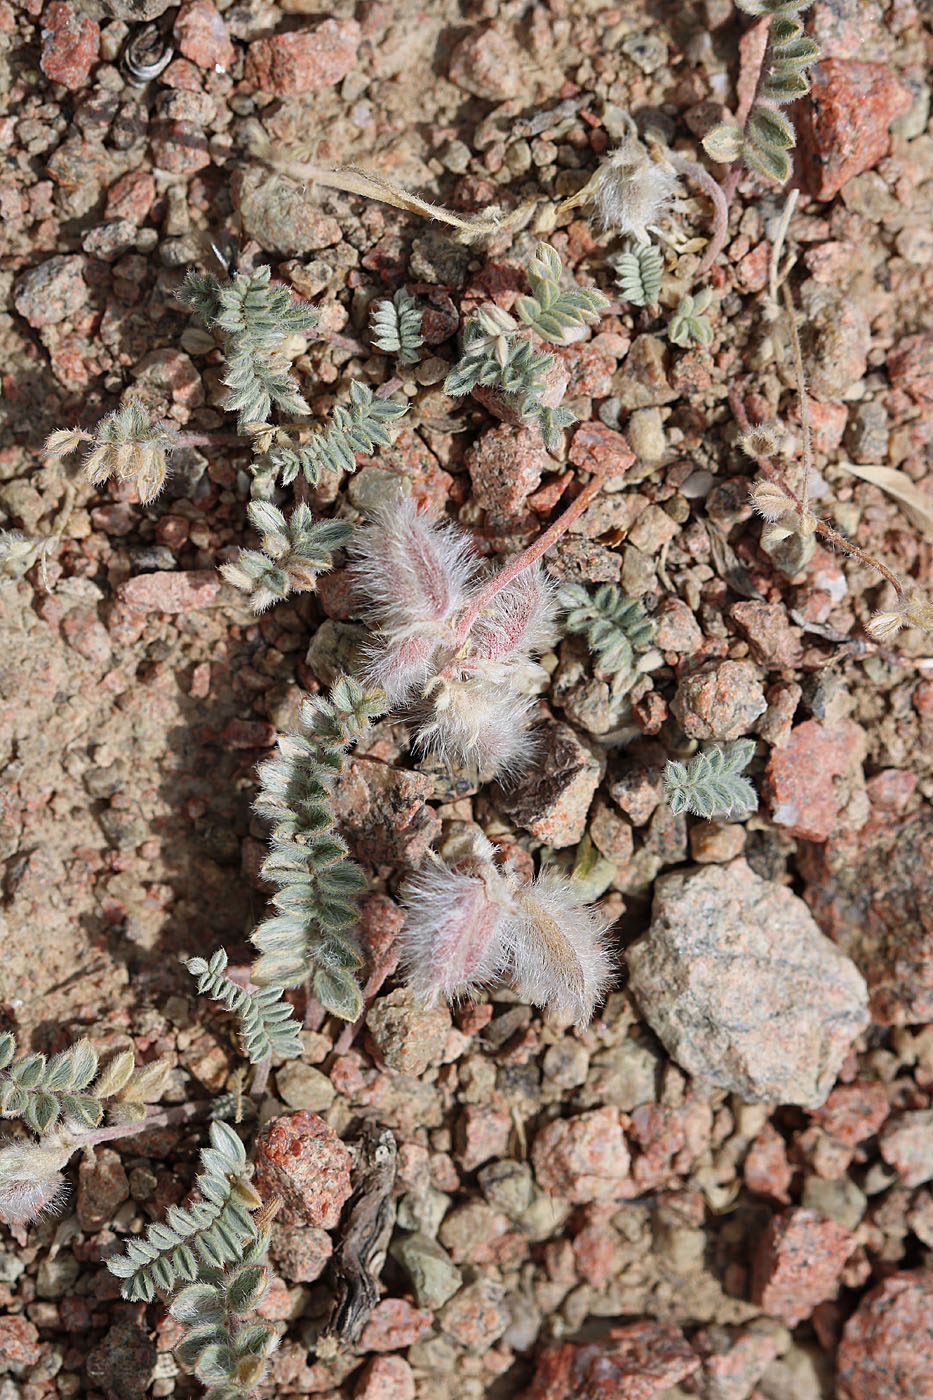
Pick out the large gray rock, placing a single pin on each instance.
(736, 979)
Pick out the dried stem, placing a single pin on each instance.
(373, 186)
(701, 175)
(523, 561)
(804, 403)
(822, 527)
(780, 235)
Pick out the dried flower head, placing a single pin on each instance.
(881, 626)
(126, 444)
(770, 439)
(632, 191)
(913, 611)
(769, 501)
(472, 923)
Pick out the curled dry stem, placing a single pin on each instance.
(370, 185)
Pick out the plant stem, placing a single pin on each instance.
(162, 1118)
(523, 561)
(701, 175)
(261, 1078)
(210, 440)
(822, 527)
(802, 399)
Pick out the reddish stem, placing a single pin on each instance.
(528, 556)
(731, 182)
(162, 1118)
(701, 175)
(210, 440)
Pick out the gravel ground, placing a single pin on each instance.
(721, 1187)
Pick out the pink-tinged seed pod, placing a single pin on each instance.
(557, 948)
(451, 943)
(410, 569)
(401, 668)
(24, 1201)
(518, 621)
(414, 574)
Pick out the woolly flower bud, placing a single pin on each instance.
(475, 723)
(30, 1178)
(882, 625)
(452, 939)
(557, 946)
(466, 927)
(414, 575)
(632, 191)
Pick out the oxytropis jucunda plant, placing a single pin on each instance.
(711, 784)
(616, 628)
(205, 1259)
(62, 1102)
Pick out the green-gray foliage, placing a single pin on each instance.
(267, 1026)
(689, 324)
(227, 1353)
(396, 327)
(711, 784)
(614, 625)
(206, 1259)
(362, 425)
(493, 358)
(638, 274)
(254, 319)
(316, 885)
(210, 1232)
(768, 135)
(549, 311)
(71, 1089)
(294, 552)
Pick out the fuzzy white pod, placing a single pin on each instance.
(414, 574)
(451, 943)
(31, 1181)
(557, 948)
